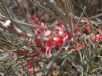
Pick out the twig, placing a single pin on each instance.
(23, 13)
(30, 25)
(2, 16)
(96, 16)
(70, 11)
(27, 24)
(44, 8)
(84, 9)
(4, 4)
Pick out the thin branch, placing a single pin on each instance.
(44, 8)
(84, 9)
(23, 13)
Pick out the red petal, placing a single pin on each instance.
(99, 37)
(48, 52)
(38, 42)
(69, 35)
(49, 43)
(58, 42)
(30, 68)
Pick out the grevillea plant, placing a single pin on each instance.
(47, 39)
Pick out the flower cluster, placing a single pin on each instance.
(46, 40)
(50, 38)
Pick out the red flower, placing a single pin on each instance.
(87, 28)
(58, 41)
(75, 22)
(30, 68)
(84, 19)
(35, 18)
(98, 37)
(60, 27)
(39, 31)
(48, 52)
(69, 35)
(49, 45)
(49, 40)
